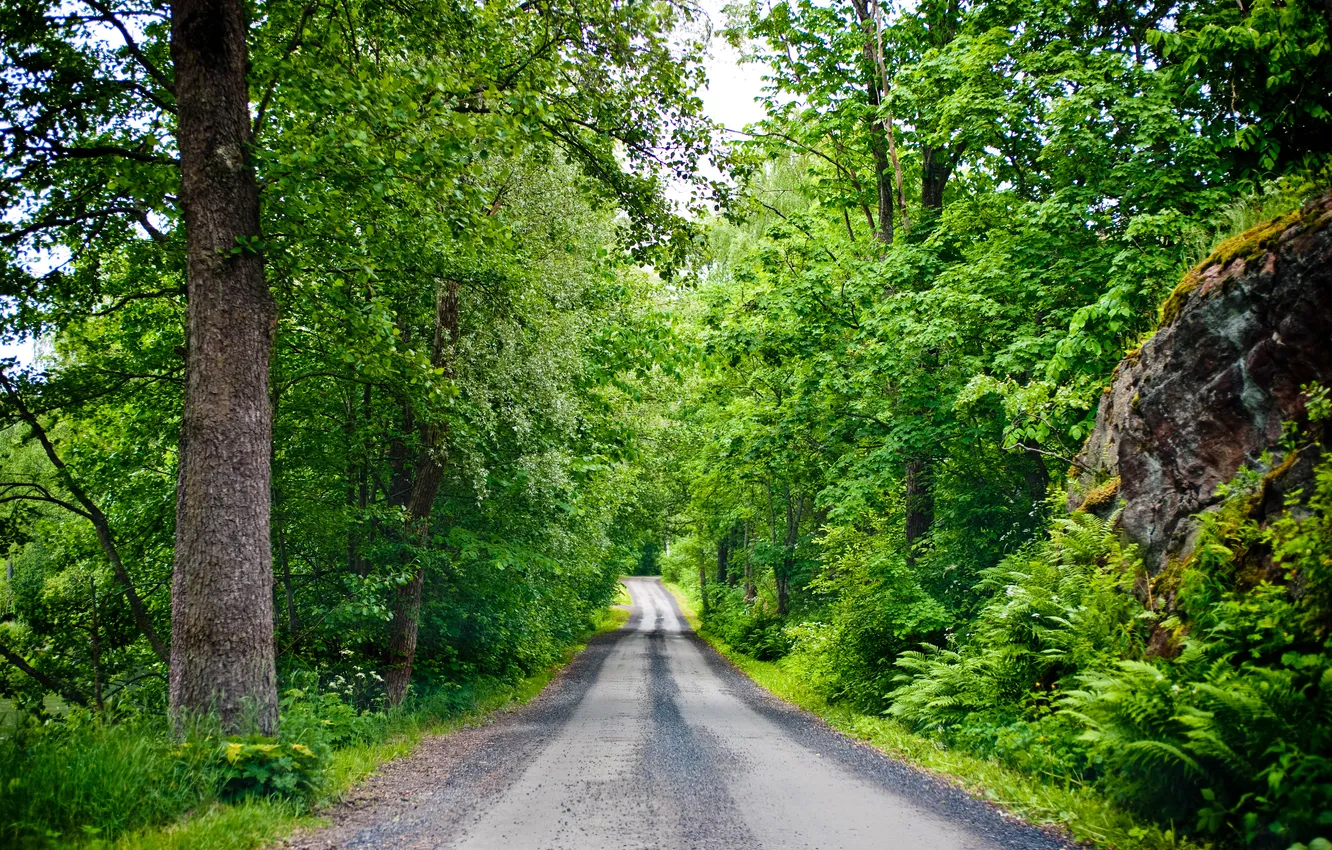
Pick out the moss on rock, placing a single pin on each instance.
(1249, 246)
(1100, 497)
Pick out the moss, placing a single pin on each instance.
(1254, 505)
(1250, 245)
(1100, 497)
(1167, 582)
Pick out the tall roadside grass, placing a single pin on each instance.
(85, 779)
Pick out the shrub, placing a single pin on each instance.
(1057, 608)
(1224, 728)
(263, 767)
(323, 721)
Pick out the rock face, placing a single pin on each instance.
(1210, 392)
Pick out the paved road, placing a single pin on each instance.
(652, 740)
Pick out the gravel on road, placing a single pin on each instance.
(650, 740)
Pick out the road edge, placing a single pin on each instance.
(1069, 812)
(269, 824)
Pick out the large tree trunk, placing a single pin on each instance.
(222, 589)
(426, 477)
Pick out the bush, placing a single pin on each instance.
(1236, 732)
(1220, 723)
(263, 767)
(323, 721)
(1057, 608)
(751, 629)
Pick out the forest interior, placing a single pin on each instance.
(975, 398)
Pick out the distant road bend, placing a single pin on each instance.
(652, 741)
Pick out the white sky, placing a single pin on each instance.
(728, 98)
(732, 87)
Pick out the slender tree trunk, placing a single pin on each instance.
(293, 621)
(357, 562)
(703, 584)
(734, 544)
(724, 556)
(935, 172)
(878, 127)
(919, 502)
(793, 514)
(95, 638)
(888, 116)
(750, 589)
(222, 588)
(426, 478)
(1036, 476)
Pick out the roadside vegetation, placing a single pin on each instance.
(347, 374)
(87, 783)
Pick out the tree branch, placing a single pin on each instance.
(140, 296)
(94, 515)
(291, 48)
(69, 693)
(131, 46)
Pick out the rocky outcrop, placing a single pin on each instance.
(1210, 391)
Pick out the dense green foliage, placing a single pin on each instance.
(838, 409)
(865, 471)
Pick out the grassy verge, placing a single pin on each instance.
(257, 823)
(1085, 814)
(622, 596)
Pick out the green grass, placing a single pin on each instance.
(242, 826)
(1085, 814)
(622, 596)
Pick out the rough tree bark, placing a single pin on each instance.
(427, 473)
(222, 588)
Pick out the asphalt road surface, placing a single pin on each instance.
(652, 740)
